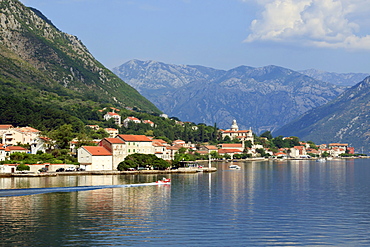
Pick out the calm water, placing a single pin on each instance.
(299, 203)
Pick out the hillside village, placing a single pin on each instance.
(105, 154)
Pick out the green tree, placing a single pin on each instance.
(23, 167)
(142, 160)
(267, 134)
(62, 136)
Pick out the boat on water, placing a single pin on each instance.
(236, 167)
(321, 160)
(164, 181)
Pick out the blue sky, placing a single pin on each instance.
(330, 35)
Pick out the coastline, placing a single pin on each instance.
(84, 173)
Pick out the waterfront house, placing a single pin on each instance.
(230, 152)
(95, 158)
(137, 144)
(238, 146)
(117, 147)
(297, 151)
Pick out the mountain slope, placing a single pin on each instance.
(345, 119)
(49, 67)
(262, 98)
(340, 79)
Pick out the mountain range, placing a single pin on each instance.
(263, 98)
(51, 75)
(340, 79)
(344, 119)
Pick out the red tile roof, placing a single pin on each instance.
(232, 145)
(15, 148)
(97, 151)
(210, 147)
(114, 140)
(112, 114)
(224, 151)
(134, 138)
(5, 126)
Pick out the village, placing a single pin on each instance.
(105, 154)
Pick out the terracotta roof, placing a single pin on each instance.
(134, 138)
(280, 153)
(112, 114)
(338, 144)
(299, 147)
(97, 151)
(178, 141)
(114, 140)
(224, 151)
(5, 126)
(15, 148)
(133, 119)
(110, 129)
(211, 147)
(232, 145)
(160, 141)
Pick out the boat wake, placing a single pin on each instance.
(34, 191)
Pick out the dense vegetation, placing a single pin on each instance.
(49, 78)
(143, 161)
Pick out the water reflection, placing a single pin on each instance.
(265, 203)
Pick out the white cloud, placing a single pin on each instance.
(322, 23)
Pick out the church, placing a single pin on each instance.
(235, 133)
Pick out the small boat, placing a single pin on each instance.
(321, 160)
(236, 167)
(164, 181)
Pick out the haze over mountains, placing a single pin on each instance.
(340, 79)
(259, 98)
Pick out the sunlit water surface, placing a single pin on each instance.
(296, 203)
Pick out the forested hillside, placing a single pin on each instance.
(48, 77)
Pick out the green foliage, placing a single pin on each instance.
(325, 154)
(142, 160)
(267, 134)
(23, 167)
(62, 136)
(59, 157)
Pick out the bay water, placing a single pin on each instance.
(269, 203)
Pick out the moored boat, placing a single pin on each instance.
(236, 167)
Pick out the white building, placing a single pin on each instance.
(23, 135)
(137, 144)
(130, 119)
(115, 116)
(95, 158)
(117, 148)
(235, 133)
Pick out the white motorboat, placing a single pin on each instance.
(236, 167)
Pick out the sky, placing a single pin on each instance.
(329, 35)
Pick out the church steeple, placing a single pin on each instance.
(234, 126)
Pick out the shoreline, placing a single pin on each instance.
(88, 173)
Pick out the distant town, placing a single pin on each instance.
(105, 154)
